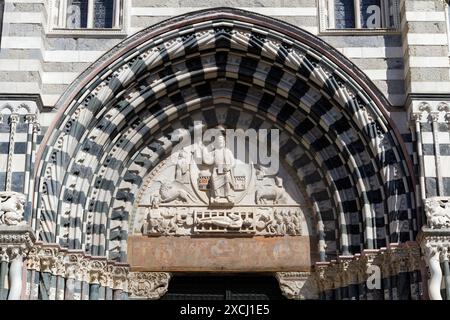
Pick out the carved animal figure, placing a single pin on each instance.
(273, 193)
(171, 191)
(11, 208)
(438, 213)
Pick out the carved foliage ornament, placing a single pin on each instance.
(148, 285)
(297, 285)
(76, 265)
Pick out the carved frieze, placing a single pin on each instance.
(245, 220)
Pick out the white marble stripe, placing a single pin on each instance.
(19, 65)
(22, 17)
(58, 77)
(19, 87)
(22, 42)
(427, 39)
(429, 86)
(428, 62)
(271, 11)
(424, 16)
(384, 74)
(372, 52)
(72, 55)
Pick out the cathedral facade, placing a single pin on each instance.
(146, 146)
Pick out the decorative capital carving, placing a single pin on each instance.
(14, 241)
(119, 276)
(434, 116)
(74, 264)
(443, 107)
(297, 285)
(416, 116)
(148, 285)
(424, 107)
(14, 118)
(435, 244)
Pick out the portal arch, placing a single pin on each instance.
(115, 120)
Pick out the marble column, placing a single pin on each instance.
(15, 275)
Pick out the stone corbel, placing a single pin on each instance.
(297, 285)
(148, 285)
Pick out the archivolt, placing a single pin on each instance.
(115, 121)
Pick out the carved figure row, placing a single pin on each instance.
(185, 221)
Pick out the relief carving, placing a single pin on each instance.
(438, 213)
(204, 188)
(297, 285)
(12, 208)
(148, 285)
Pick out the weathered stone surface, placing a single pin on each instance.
(428, 51)
(427, 27)
(429, 74)
(220, 254)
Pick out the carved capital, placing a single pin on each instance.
(96, 270)
(433, 116)
(416, 116)
(120, 278)
(74, 264)
(14, 118)
(15, 240)
(148, 285)
(297, 285)
(443, 107)
(424, 107)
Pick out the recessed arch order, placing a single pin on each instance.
(111, 123)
